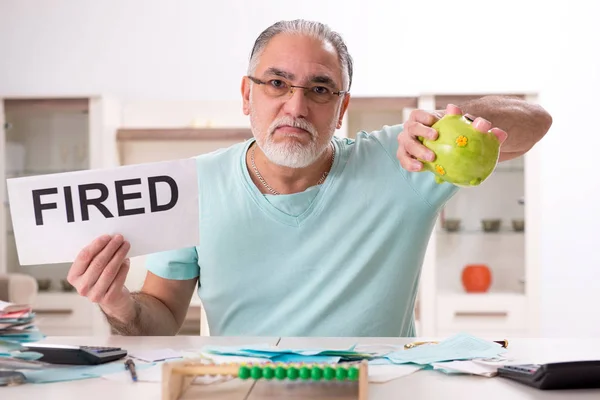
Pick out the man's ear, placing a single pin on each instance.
(246, 95)
(345, 103)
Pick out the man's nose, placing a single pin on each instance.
(296, 104)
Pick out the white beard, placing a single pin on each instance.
(291, 154)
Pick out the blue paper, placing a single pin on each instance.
(23, 355)
(7, 346)
(267, 351)
(73, 373)
(459, 347)
(296, 358)
(29, 334)
(380, 361)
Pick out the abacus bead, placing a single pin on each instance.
(340, 373)
(316, 373)
(244, 372)
(304, 372)
(353, 373)
(280, 373)
(292, 373)
(268, 373)
(328, 373)
(256, 372)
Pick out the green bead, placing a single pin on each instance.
(268, 373)
(280, 373)
(292, 373)
(316, 373)
(353, 373)
(328, 373)
(340, 373)
(244, 372)
(256, 372)
(304, 372)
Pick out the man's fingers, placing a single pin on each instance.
(482, 125)
(416, 149)
(109, 274)
(417, 129)
(423, 117)
(115, 290)
(91, 275)
(85, 257)
(500, 134)
(452, 109)
(407, 162)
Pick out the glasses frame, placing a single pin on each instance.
(339, 93)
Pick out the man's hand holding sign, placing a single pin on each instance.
(97, 219)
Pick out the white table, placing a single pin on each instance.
(419, 385)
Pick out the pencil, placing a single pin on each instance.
(130, 365)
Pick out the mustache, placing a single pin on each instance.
(295, 123)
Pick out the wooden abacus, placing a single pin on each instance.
(177, 376)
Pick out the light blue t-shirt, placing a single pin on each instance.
(340, 259)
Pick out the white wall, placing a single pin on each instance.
(570, 291)
(197, 50)
(193, 49)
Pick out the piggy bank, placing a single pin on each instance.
(464, 156)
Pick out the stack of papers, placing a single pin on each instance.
(455, 348)
(278, 354)
(17, 323)
(471, 367)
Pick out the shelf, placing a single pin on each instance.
(502, 232)
(59, 293)
(495, 295)
(129, 134)
(28, 173)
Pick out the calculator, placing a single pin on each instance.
(552, 376)
(76, 355)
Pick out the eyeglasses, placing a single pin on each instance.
(280, 87)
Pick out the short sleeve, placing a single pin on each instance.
(423, 182)
(178, 264)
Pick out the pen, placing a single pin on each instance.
(130, 365)
(503, 343)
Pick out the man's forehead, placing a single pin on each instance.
(300, 57)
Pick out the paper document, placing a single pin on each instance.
(154, 373)
(155, 355)
(467, 367)
(154, 206)
(6, 308)
(149, 374)
(380, 373)
(73, 373)
(458, 347)
(268, 351)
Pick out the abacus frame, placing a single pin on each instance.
(177, 376)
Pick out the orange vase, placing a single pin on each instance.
(476, 278)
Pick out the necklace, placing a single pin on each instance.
(275, 192)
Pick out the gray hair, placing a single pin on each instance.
(309, 28)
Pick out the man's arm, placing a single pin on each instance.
(159, 309)
(525, 123)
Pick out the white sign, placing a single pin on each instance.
(154, 206)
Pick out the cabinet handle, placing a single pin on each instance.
(54, 312)
(481, 314)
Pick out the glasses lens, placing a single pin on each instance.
(280, 87)
(276, 87)
(320, 94)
